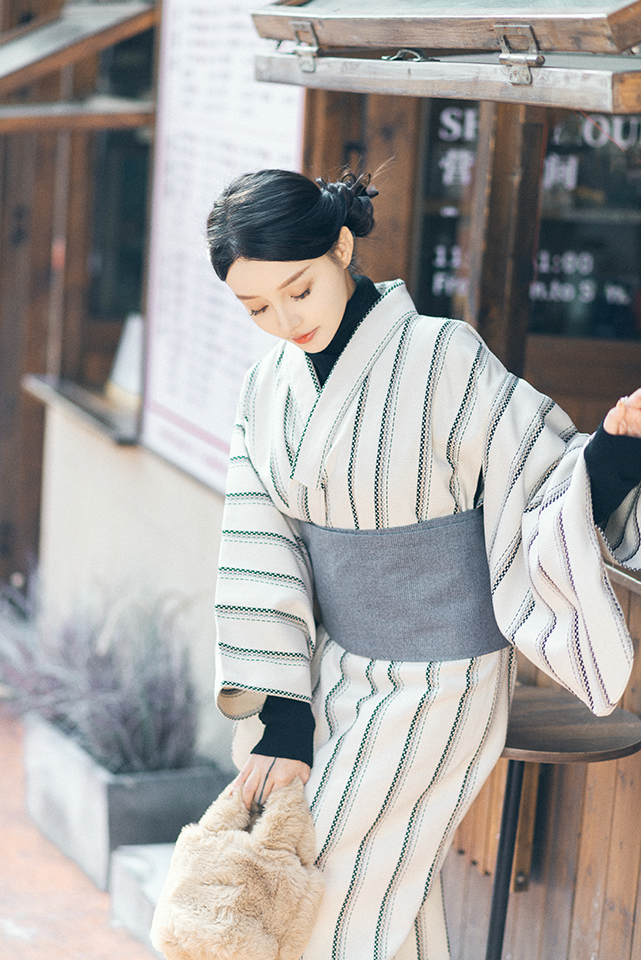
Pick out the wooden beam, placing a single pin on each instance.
(457, 25)
(479, 209)
(333, 133)
(119, 423)
(505, 214)
(94, 113)
(15, 20)
(80, 31)
(16, 228)
(369, 134)
(77, 233)
(392, 139)
(602, 84)
(33, 322)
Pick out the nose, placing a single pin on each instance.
(287, 320)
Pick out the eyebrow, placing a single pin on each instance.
(286, 283)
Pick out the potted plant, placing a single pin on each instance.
(110, 727)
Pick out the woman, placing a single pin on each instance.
(401, 514)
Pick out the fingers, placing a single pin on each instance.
(262, 775)
(613, 419)
(624, 419)
(253, 778)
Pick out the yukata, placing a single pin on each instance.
(417, 423)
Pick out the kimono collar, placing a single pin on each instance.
(325, 414)
(358, 306)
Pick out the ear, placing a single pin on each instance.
(344, 248)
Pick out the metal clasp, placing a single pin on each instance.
(306, 44)
(416, 56)
(518, 62)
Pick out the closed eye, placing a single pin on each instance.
(255, 313)
(305, 293)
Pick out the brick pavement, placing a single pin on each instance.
(49, 909)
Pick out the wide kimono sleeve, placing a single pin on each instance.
(551, 592)
(264, 608)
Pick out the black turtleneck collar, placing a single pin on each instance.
(362, 300)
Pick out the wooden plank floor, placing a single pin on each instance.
(582, 902)
(467, 894)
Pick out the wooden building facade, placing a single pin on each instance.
(76, 97)
(515, 207)
(578, 862)
(513, 202)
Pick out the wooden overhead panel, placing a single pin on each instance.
(564, 55)
(572, 81)
(588, 26)
(81, 30)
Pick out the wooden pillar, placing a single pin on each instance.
(77, 240)
(372, 133)
(393, 138)
(504, 224)
(15, 232)
(33, 322)
(333, 135)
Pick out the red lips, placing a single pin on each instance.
(306, 337)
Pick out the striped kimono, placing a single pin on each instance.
(413, 412)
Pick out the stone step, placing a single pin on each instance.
(137, 875)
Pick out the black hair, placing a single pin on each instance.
(282, 215)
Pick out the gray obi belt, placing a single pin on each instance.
(420, 592)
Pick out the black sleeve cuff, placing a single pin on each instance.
(614, 468)
(289, 730)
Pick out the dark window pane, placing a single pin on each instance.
(586, 273)
(121, 176)
(448, 179)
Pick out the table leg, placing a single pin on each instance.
(504, 859)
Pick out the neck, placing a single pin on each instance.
(350, 283)
(364, 296)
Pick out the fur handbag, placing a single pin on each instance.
(239, 887)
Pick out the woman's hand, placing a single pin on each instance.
(625, 418)
(262, 775)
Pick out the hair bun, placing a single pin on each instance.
(281, 215)
(362, 185)
(354, 194)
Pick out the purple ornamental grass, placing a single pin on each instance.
(119, 682)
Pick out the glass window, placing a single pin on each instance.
(121, 175)
(117, 256)
(448, 179)
(586, 279)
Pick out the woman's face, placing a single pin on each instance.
(299, 300)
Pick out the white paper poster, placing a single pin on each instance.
(214, 122)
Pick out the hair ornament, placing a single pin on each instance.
(349, 186)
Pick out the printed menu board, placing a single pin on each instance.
(214, 122)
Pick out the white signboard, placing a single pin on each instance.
(214, 122)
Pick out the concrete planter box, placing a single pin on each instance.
(88, 812)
